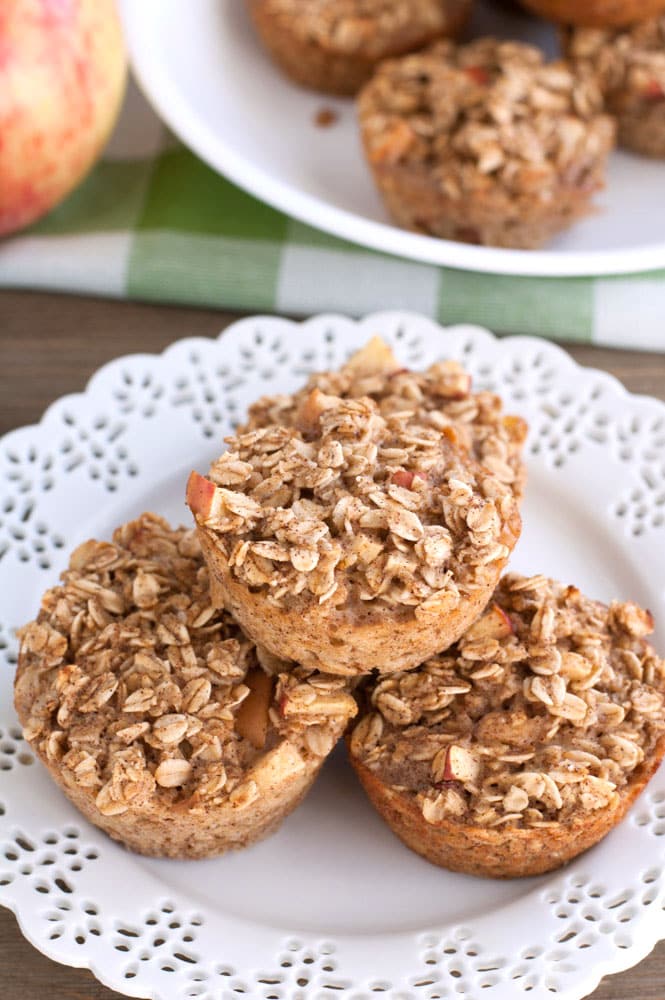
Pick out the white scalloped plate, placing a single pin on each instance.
(209, 79)
(333, 905)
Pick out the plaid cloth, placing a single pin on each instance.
(154, 222)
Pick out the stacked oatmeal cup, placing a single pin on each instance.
(345, 577)
(482, 141)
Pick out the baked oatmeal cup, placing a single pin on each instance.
(440, 397)
(596, 13)
(151, 710)
(630, 69)
(357, 540)
(334, 45)
(525, 743)
(485, 143)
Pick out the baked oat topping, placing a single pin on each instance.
(629, 64)
(349, 505)
(369, 27)
(440, 397)
(544, 709)
(137, 688)
(487, 112)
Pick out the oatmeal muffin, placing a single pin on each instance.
(154, 713)
(526, 742)
(358, 541)
(630, 69)
(596, 13)
(440, 397)
(334, 45)
(485, 143)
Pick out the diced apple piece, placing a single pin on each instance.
(375, 358)
(394, 141)
(201, 496)
(406, 479)
(494, 624)
(402, 478)
(303, 701)
(654, 91)
(204, 499)
(214, 505)
(309, 413)
(450, 381)
(517, 427)
(478, 74)
(631, 618)
(461, 765)
(458, 387)
(252, 715)
(365, 548)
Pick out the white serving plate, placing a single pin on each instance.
(203, 69)
(333, 905)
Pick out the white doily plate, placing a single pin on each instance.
(333, 906)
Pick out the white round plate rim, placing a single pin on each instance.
(191, 126)
(598, 916)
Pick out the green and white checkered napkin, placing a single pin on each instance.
(154, 222)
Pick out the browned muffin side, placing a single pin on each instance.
(596, 13)
(334, 45)
(526, 742)
(151, 710)
(485, 143)
(629, 66)
(359, 540)
(441, 396)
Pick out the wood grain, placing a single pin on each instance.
(51, 345)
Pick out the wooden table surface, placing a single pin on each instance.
(51, 345)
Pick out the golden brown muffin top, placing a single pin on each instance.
(630, 60)
(440, 396)
(543, 710)
(131, 683)
(367, 511)
(485, 113)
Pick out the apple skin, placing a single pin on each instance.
(461, 765)
(252, 717)
(405, 479)
(200, 495)
(62, 78)
(493, 624)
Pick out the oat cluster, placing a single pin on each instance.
(440, 397)
(351, 505)
(133, 682)
(542, 711)
(367, 27)
(629, 62)
(487, 111)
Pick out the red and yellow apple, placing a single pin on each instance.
(62, 78)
